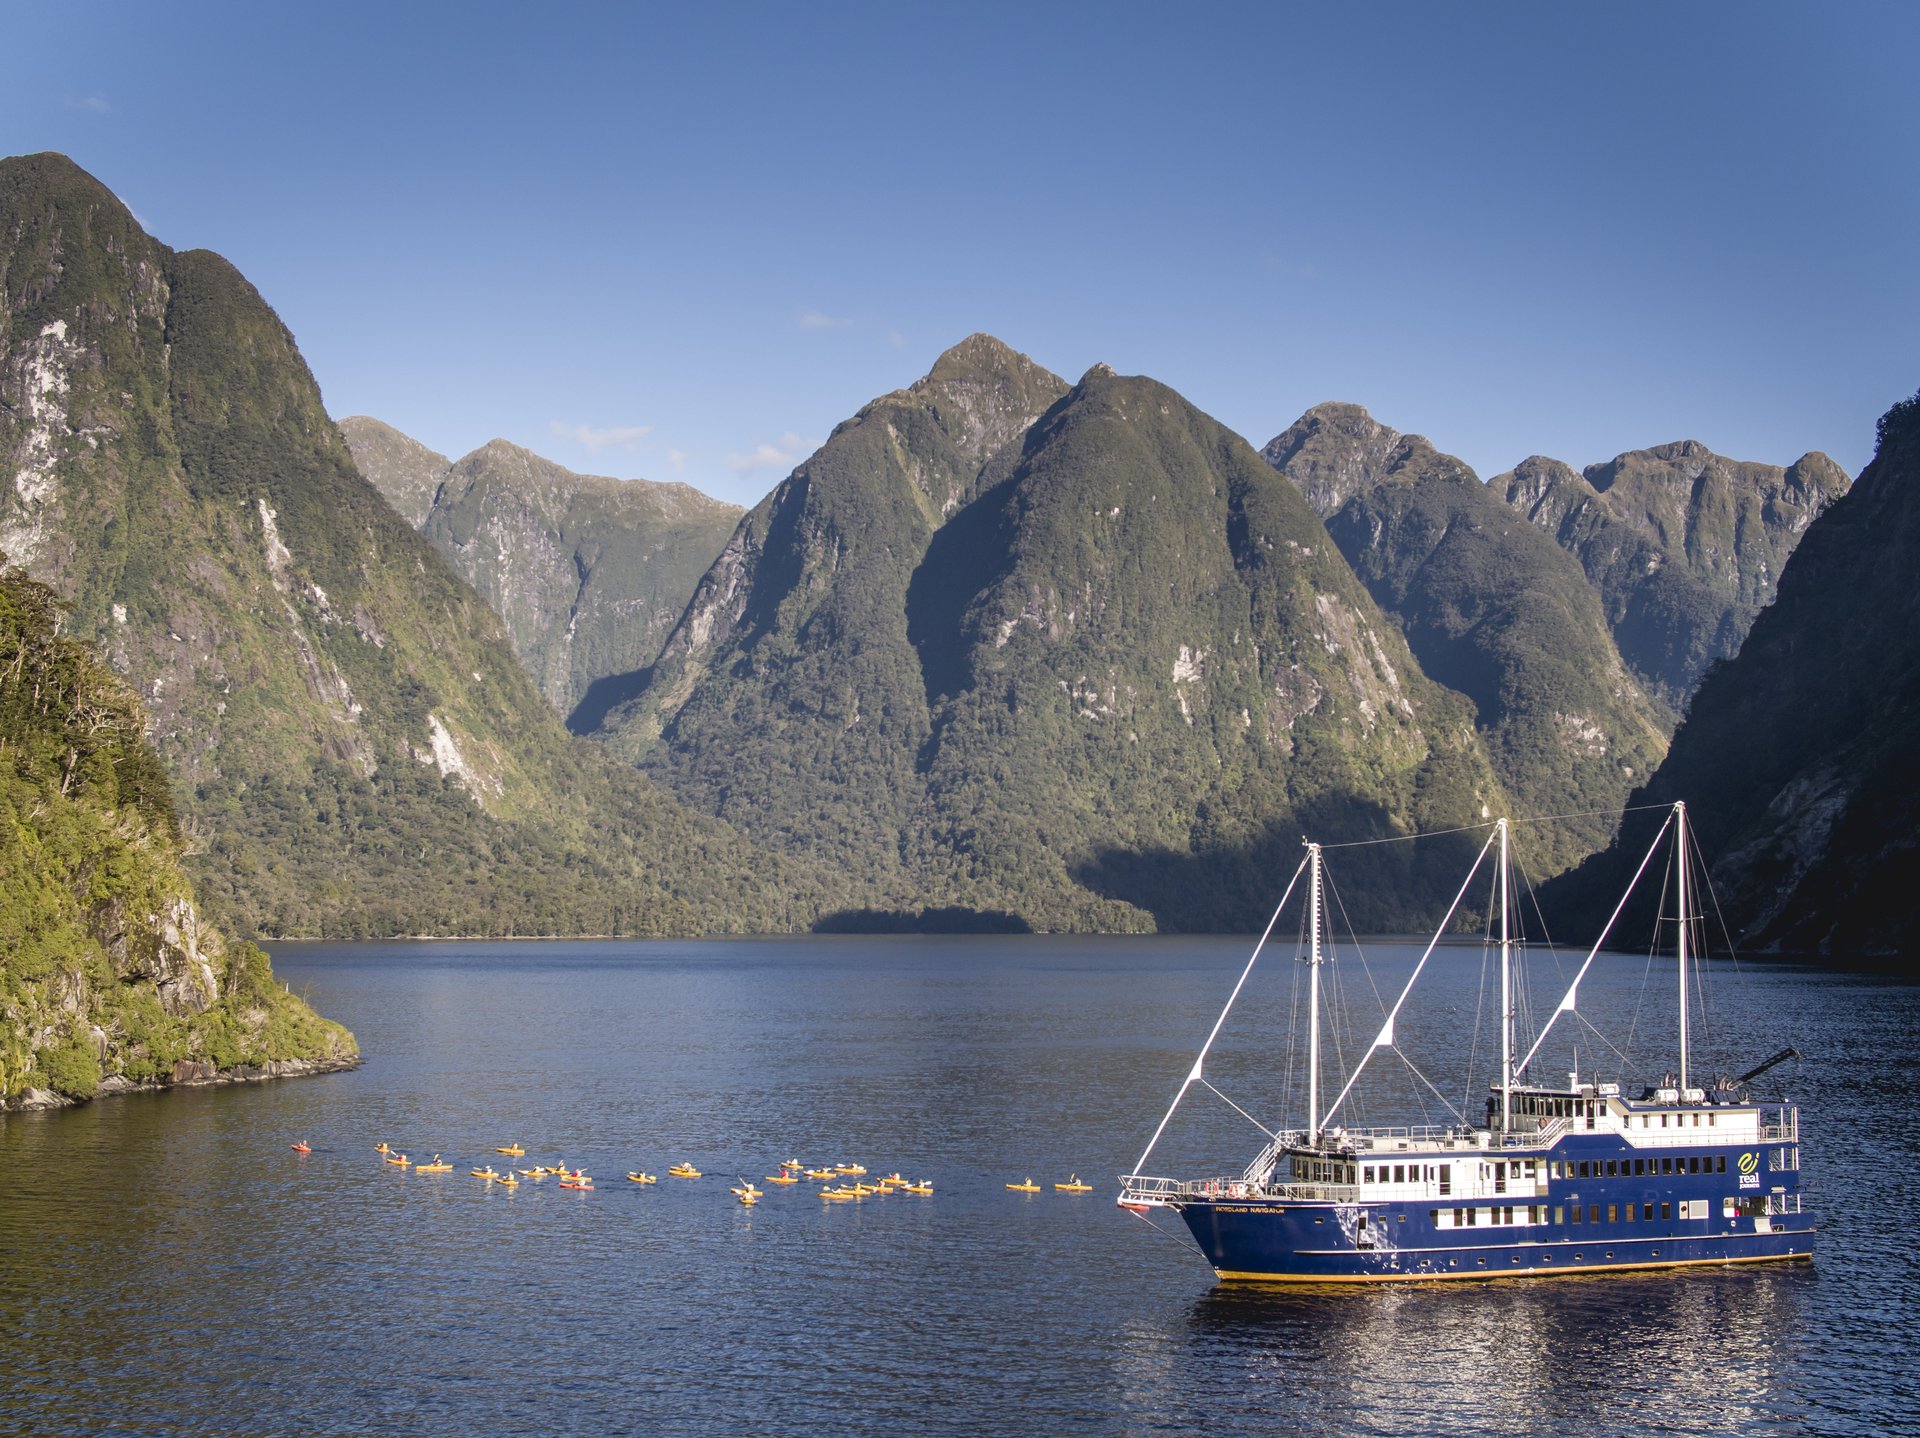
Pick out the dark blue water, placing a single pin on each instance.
(168, 1265)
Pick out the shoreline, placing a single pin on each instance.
(189, 1073)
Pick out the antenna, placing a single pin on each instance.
(1506, 996)
(1680, 849)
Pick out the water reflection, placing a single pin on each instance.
(1690, 1350)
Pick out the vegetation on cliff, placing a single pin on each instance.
(1492, 608)
(107, 974)
(355, 747)
(1797, 757)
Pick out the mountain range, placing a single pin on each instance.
(1005, 651)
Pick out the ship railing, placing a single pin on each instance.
(1787, 1130)
(1144, 1191)
(1783, 1203)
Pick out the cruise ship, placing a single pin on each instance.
(1555, 1177)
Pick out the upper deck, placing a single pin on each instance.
(1550, 1129)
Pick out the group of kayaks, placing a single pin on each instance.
(843, 1183)
(568, 1177)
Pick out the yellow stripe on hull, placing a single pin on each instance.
(1486, 1274)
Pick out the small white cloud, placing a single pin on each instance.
(676, 460)
(783, 455)
(814, 320)
(594, 438)
(99, 104)
(1291, 269)
(896, 339)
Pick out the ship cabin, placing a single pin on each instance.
(1586, 1131)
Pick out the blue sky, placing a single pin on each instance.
(684, 242)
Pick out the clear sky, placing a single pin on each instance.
(684, 242)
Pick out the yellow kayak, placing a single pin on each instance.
(852, 1169)
(641, 1177)
(684, 1170)
(820, 1173)
(434, 1167)
(783, 1178)
(923, 1189)
(1073, 1185)
(398, 1159)
(486, 1173)
(512, 1150)
(1028, 1187)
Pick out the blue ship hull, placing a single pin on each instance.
(1268, 1239)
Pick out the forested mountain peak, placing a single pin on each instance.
(1336, 450)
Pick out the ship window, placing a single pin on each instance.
(1586, 1169)
(1646, 1212)
(1613, 1213)
(1613, 1169)
(1666, 1212)
(1639, 1167)
(1696, 1120)
(1366, 1174)
(1720, 1164)
(1663, 1120)
(1593, 1213)
(1666, 1164)
(1711, 1119)
(1576, 1213)
(1693, 1163)
(1399, 1173)
(1631, 1215)
(1559, 1215)
(1403, 1218)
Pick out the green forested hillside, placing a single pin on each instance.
(352, 740)
(1492, 608)
(1797, 758)
(1684, 546)
(1076, 659)
(107, 974)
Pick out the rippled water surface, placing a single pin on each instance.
(168, 1265)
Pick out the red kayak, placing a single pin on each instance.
(301, 1148)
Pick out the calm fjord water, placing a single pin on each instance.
(167, 1265)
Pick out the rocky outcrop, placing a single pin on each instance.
(1683, 545)
(588, 573)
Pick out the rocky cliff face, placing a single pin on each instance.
(1073, 655)
(1684, 546)
(349, 730)
(1490, 607)
(1797, 757)
(587, 573)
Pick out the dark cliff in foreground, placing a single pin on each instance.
(109, 978)
(1798, 757)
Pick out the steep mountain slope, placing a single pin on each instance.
(398, 465)
(1684, 546)
(790, 691)
(1492, 608)
(108, 977)
(355, 744)
(588, 573)
(1078, 657)
(1797, 758)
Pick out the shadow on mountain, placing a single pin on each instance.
(953, 919)
(603, 696)
(1400, 886)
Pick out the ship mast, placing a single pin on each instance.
(1506, 996)
(1680, 849)
(1313, 992)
